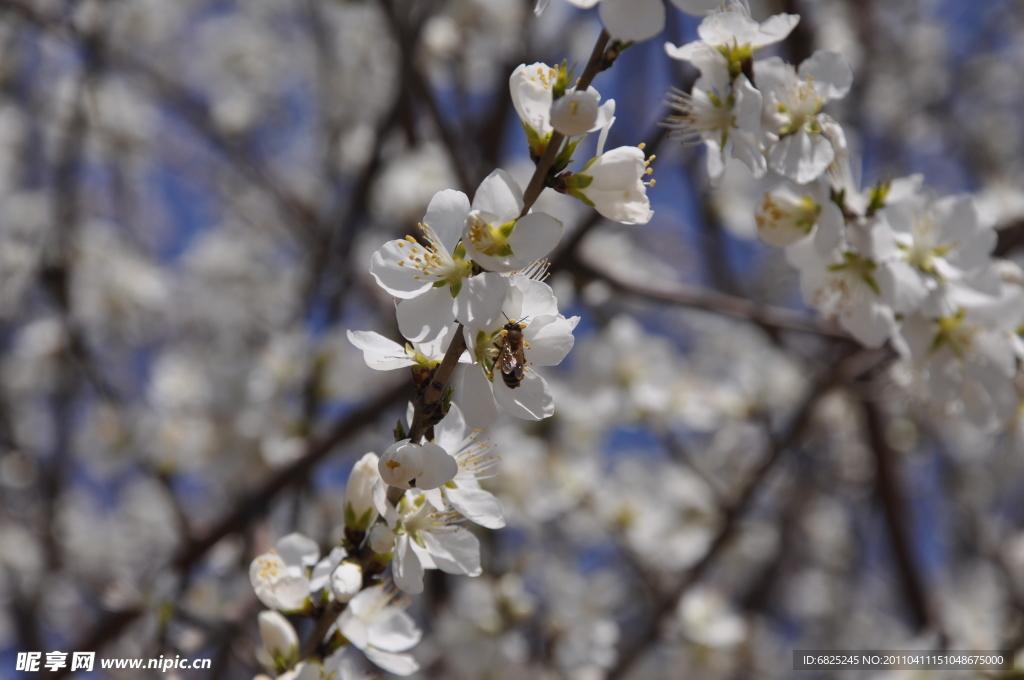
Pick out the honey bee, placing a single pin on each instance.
(511, 356)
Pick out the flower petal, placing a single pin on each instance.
(427, 316)
(446, 215)
(397, 633)
(474, 397)
(406, 568)
(399, 664)
(499, 195)
(830, 73)
(530, 299)
(378, 352)
(801, 157)
(531, 400)
(298, 550)
(477, 505)
(438, 467)
(401, 280)
(478, 306)
(775, 29)
(534, 236)
(550, 339)
(452, 429)
(352, 627)
(454, 552)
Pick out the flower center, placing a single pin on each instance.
(698, 116)
(487, 238)
(799, 105)
(954, 333)
(434, 260)
(859, 268)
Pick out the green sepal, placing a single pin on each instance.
(460, 251)
(505, 251)
(879, 194)
(364, 520)
(537, 143)
(578, 182)
(456, 287)
(446, 399)
(438, 284)
(575, 184)
(506, 229)
(564, 156)
(399, 431)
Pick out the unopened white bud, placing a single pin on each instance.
(346, 581)
(575, 113)
(406, 465)
(382, 539)
(359, 508)
(401, 463)
(279, 638)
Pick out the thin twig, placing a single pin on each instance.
(246, 509)
(713, 301)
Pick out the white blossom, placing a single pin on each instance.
(426, 538)
(346, 581)
(375, 622)
(280, 577)
(802, 141)
(496, 236)
(729, 38)
(279, 638)
(406, 464)
(360, 511)
(613, 183)
(491, 301)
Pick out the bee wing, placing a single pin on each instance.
(511, 362)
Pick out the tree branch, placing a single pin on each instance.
(767, 316)
(848, 368)
(890, 495)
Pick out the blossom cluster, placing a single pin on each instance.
(892, 262)
(469, 290)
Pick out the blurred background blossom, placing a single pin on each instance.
(190, 193)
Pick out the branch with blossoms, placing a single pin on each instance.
(477, 319)
(890, 263)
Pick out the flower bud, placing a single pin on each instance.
(575, 113)
(613, 183)
(279, 638)
(401, 464)
(359, 509)
(784, 218)
(346, 581)
(382, 539)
